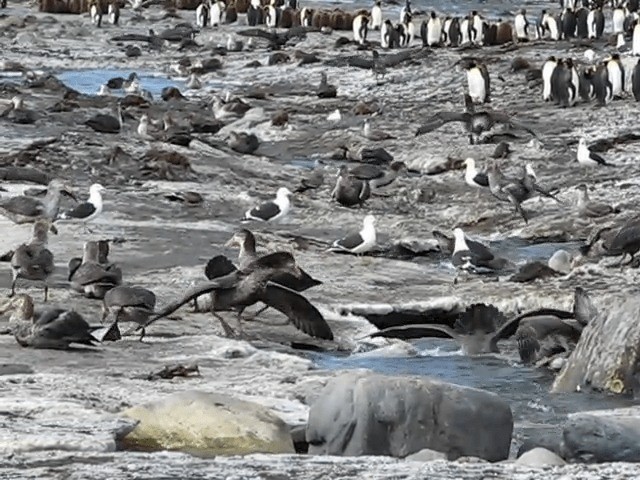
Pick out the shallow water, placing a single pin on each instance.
(88, 81)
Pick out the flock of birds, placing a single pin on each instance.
(275, 279)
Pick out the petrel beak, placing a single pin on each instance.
(231, 242)
(297, 272)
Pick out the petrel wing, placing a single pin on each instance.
(440, 119)
(407, 332)
(228, 281)
(304, 316)
(509, 327)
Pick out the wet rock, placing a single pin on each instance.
(426, 455)
(596, 439)
(607, 353)
(207, 424)
(539, 457)
(363, 413)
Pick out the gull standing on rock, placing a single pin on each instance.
(358, 242)
(25, 209)
(478, 258)
(473, 177)
(375, 135)
(587, 208)
(273, 210)
(89, 210)
(588, 158)
(33, 261)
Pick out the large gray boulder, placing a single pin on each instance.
(364, 413)
(206, 424)
(596, 439)
(607, 353)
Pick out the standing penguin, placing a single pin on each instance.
(616, 74)
(568, 20)
(385, 34)
(587, 92)
(399, 36)
(360, 26)
(618, 19)
(478, 81)
(272, 14)
(114, 12)
(376, 16)
(582, 30)
(564, 89)
(452, 32)
(599, 78)
(477, 28)
(465, 30)
(255, 14)
(215, 13)
(434, 30)
(521, 26)
(595, 22)
(635, 41)
(404, 10)
(409, 30)
(202, 14)
(635, 82)
(95, 10)
(549, 23)
(547, 71)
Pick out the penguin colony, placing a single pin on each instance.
(563, 82)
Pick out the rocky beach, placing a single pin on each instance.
(169, 208)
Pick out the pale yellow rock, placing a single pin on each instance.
(207, 424)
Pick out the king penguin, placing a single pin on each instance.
(376, 16)
(202, 14)
(616, 74)
(478, 81)
(635, 42)
(434, 30)
(595, 22)
(602, 88)
(360, 26)
(565, 83)
(521, 26)
(465, 30)
(569, 23)
(547, 71)
(385, 34)
(618, 19)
